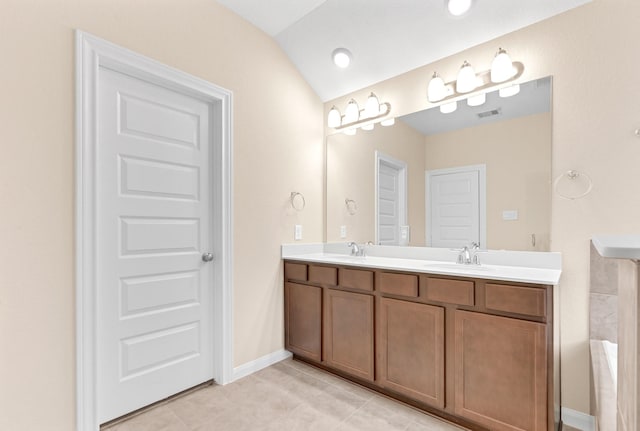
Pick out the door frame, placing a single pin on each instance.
(402, 189)
(91, 54)
(482, 198)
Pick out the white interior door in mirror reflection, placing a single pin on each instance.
(455, 206)
(391, 201)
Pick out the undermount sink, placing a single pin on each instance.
(452, 266)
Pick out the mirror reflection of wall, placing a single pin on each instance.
(511, 137)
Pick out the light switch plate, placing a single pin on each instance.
(405, 233)
(510, 215)
(297, 235)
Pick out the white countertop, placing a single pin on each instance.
(542, 268)
(618, 246)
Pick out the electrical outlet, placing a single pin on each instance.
(297, 235)
(343, 231)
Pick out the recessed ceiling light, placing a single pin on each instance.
(458, 7)
(341, 57)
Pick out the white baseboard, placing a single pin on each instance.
(260, 363)
(579, 420)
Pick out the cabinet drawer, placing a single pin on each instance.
(295, 271)
(398, 284)
(516, 299)
(355, 279)
(323, 275)
(451, 291)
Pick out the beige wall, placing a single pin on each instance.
(351, 174)
(278, 148)
(590, 53)
(517, 155)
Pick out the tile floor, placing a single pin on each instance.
(289, 395)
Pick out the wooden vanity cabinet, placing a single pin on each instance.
(477, 352)
(348, 333)
(501, 371)
(303, 320)
(411, 350)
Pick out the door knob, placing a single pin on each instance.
(207, 257)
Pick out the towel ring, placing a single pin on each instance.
(352, 207)
(573, 185)
(297, 201)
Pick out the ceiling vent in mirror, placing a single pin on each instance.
(489, 113)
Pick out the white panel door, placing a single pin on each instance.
(153, 225)
(454, 201)
(388, 204)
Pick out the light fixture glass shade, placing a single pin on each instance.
(477, 100)
(350, 132)
(341, 57)
(384, 109)
(467, 80)
(352, 113)
(367, 127)
(372, 107)
(448, 108)
(502, 67)
(388, 122)
(436, 90)
(458, 7)
(334, 118)
(509, 91)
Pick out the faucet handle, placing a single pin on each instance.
(356, 250)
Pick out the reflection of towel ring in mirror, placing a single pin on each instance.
(573, 185)
(352, 208)
(297, 201)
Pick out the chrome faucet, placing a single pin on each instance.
(468, 255)
(356, 250)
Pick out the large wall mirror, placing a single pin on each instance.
(480, 173)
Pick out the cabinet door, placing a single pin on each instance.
(501, 372)
(411, 350)
(303, 320)
(348, 332)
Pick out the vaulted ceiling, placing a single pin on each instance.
(386, 37)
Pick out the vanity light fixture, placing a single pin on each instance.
(334, 118)
(477, 100)
(502, 67)
(352, 113)
(467, 80)
(341, 57)
(473, 86)
(354, 117)
(448, 108)
(509, 91)
(372, 107)
(436, 90)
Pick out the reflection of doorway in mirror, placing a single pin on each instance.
(456, 206)
(391, 201)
